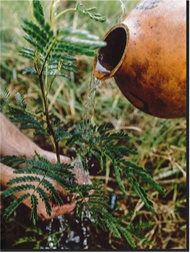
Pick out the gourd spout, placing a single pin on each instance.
(111, 56)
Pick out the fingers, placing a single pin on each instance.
(50, 156)
(67, 208)
(57, 210)
(65, 159)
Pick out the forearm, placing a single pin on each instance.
(13, 142)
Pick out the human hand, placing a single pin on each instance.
(69, 206)
(82, 177)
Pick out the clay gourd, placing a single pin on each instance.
(146, 54)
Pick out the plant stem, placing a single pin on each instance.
(56, 146)
(62, 13)
(47, 54)
(51, 11)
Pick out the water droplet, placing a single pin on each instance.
(49, 239)
(51, 244)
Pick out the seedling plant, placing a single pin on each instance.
(53, 54)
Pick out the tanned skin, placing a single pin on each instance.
(13, 142)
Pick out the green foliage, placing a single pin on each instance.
(90, 13)
(11, 208)
(40, 186)
(18, 114)
(20, 100)
(5, 97)
(56, 50)
(34, 212)
(102, 141)
(53, 54)
(38, 11)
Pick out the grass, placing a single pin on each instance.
(161, 143)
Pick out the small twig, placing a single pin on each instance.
(56, 147)
(63, 12)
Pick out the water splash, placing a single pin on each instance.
(66, 232)
(82, 175)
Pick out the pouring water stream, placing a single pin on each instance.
(80, 240)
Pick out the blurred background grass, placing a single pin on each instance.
(161, 143)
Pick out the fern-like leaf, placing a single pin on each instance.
(113, 228)
(45, 198)
(38, 11)
(15, 189)
(61, 134)
(35, 33)
(34, 204)
(11, 208)
(105, 127)
(25, 240)
(12, 161)
(23, 180)
(28, 71)
(49, 187)
(118, 177)
(90, 12)
(140, 191)
(127, 235)
(30, 171)
(27, 52)
(20, 100)
(4, 93)
(144, 175)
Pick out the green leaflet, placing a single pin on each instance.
(61, 134)
(113, 228)
(49, 186)
(38, 11)
(118, 177)
(127, 235)
(43, 195)
(11, 208)
(11, 191)
(34, 43)
(19, 115)
(34, 204)
(35, 230)
(25, 240)
(23, 180)
(90, 12)
(105, 127)
(28, 70)
(12, 161)
(145, 176)
(141, 192)
(30, 171)
(5, 94)
(20, 100)
(35, 33)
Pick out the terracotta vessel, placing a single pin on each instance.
(146, 54)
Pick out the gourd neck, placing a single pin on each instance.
(110, 57)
